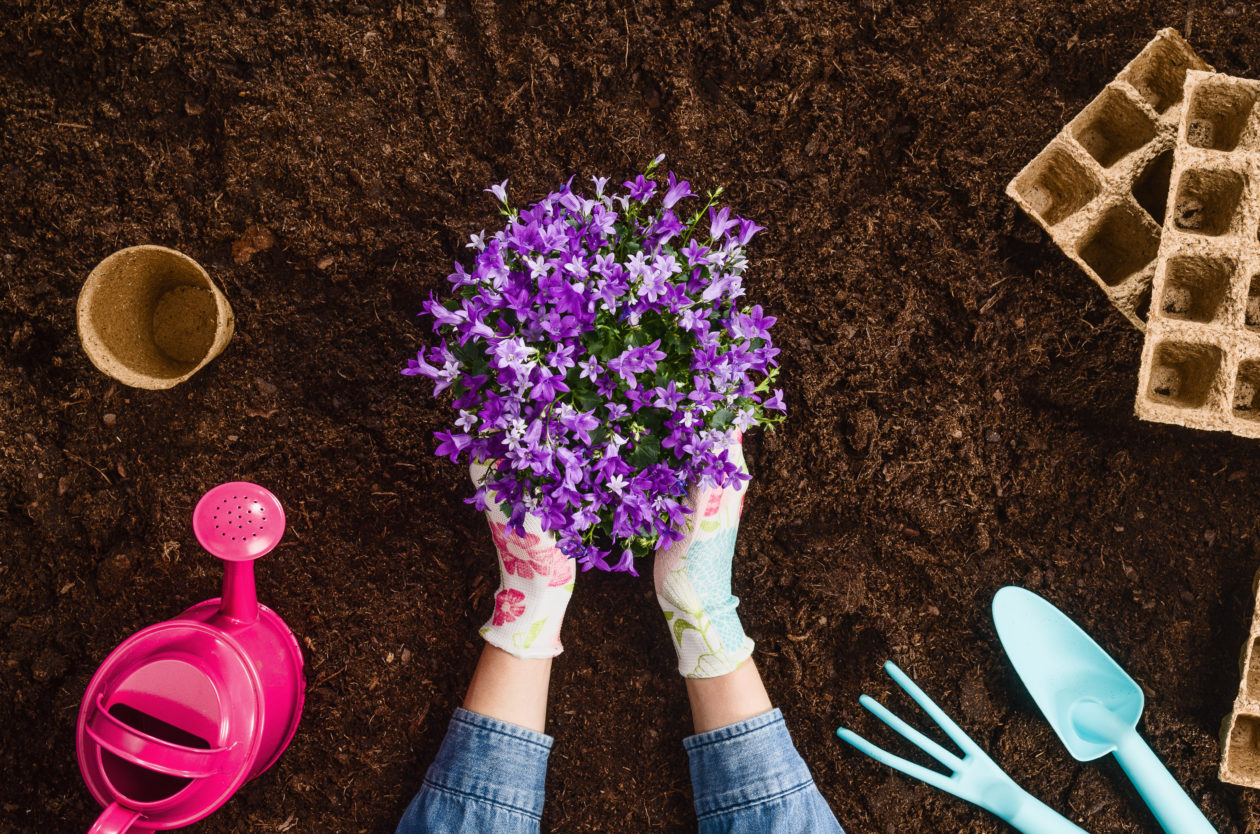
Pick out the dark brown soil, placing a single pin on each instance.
(961, 394)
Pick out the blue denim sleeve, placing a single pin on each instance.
(749, 779)
(488, 776)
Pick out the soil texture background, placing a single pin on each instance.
(960, 394)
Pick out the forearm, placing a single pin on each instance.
(511, 689)
(727, 699)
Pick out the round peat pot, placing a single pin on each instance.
(184, 712)
(150, 317)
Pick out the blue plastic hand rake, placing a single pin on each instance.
(974, 777)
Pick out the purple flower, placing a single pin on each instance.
(451, 444)
(640, 188)
(668, 397)
(513, 354)
(548, 386)
(695, 253)
(582, 424)
(720, 222)
(752, 325)
(747, 229)
(678, 190)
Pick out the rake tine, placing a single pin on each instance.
(916, 771)
(910, 734)
(934, 712)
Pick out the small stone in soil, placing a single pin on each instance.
(109, 419)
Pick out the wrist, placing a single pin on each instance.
(510, 688)
(727, 699)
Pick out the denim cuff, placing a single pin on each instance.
(744, 764)
(492, 761)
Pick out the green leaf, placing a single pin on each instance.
(468, 354)
(586, 397)
(646, 452)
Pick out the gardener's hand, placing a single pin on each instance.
(535, 584)
(693, 582)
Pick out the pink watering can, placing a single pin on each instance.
(184, 712)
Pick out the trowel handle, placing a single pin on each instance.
(115, 819)
(1172, 808)
(1035, 817)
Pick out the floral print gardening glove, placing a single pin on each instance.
(535, 584)
(693, 582)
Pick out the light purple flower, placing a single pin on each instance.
(499, 191)
(590, 369)
(720, 222)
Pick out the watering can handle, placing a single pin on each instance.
(116, 819)
(150, 752)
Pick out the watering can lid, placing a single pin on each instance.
(174, 716)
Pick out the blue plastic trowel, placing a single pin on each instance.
(1091, 703)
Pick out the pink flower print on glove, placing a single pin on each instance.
(535, 583)
(527, 555)
(508, 605)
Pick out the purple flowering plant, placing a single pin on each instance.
(598, 352)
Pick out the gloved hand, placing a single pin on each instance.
(693, 582)
(535, 584)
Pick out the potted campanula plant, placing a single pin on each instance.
(599, 354)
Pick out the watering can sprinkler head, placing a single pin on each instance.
(238, 522)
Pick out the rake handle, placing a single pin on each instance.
(1035, 817)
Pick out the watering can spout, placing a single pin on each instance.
(240, 599)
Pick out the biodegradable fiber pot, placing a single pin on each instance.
(150, 317)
